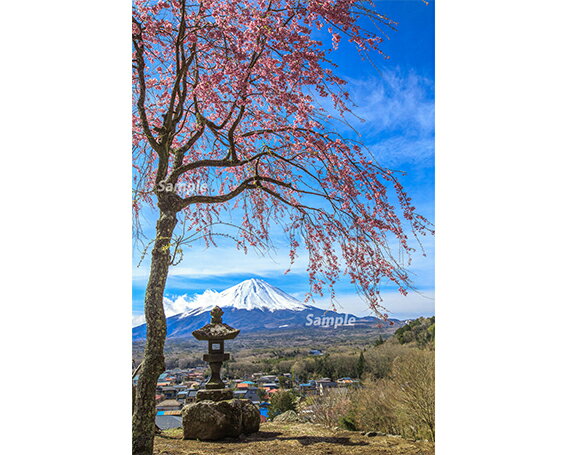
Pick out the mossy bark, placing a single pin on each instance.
(153, 364)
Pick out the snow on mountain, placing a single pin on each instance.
(253, 294)
(249, 306)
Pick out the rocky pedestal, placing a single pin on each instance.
(213, 420)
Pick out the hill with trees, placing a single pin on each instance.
(420, 331)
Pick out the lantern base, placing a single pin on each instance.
(214, 394)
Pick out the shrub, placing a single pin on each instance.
(374, 407)
(414, 376)
(378, 360)
(330, 408)
(348, 423)
(282, 401)
(404, 402)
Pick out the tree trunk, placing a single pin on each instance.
(143, 417)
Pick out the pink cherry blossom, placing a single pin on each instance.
(225, 97)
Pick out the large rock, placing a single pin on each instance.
(213, 420)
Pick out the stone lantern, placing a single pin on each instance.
(215, 333)
(216, 414)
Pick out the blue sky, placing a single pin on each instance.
(396, 97)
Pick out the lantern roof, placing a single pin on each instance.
(216, 329)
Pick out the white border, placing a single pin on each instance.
(501, 248)
(501, 244)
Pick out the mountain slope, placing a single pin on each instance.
(253, 294)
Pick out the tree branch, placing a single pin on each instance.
(140, 65)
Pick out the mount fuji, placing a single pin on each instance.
(251, 305)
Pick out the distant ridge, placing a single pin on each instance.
(251, 305)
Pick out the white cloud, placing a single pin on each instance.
(176, 305)
(138, 319)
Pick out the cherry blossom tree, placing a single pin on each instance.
(227, 119)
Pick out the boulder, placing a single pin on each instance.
(214, 420)
(287, 416)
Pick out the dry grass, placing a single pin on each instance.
(293, 439)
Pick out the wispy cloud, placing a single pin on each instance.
(394, 102)
(417, 151)
(398, 112)
(233, 262)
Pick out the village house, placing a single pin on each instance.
(270, 391)
(348, 382)
(308, 388)
(169, 392)
(246, 385)
(166, 421)
(270, 385)
(272, 379)
(169, 405)
(251, 394)
(322, 385)
(192, 395)
(182, 395)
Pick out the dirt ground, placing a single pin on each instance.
(293, 439)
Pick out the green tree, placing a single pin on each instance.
(379, 341)
(282, 401)
(285, 382)
(361, 364)
(420, 331)
(300, 370)
(263, 395)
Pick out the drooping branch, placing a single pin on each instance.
(138, 44)
(228, 163)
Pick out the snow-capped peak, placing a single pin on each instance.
(248, 295)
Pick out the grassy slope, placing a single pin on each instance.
(293, 439)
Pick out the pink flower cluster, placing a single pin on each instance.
(224, 97)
